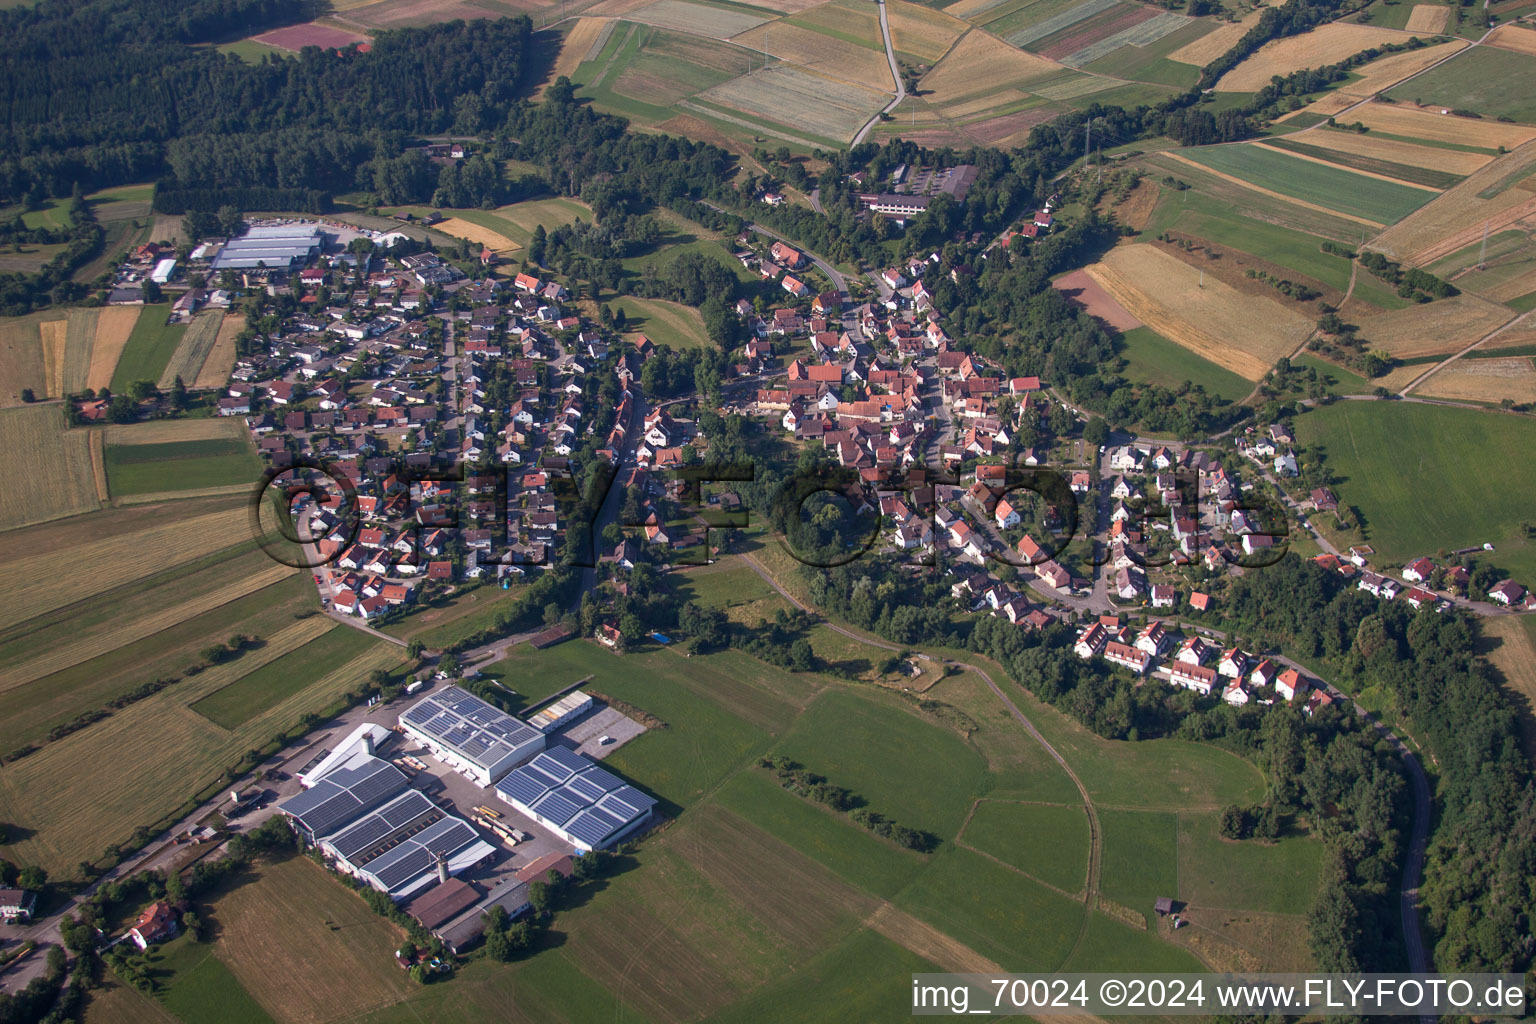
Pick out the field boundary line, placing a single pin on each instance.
(1436, 368)
(1233, 179)
(1352, 170)
(98, 449)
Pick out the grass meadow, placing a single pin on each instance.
(180, 466)
(1487, 80)
(149, 348)
(1152, 359)
(1427, 478)
(1333, 187)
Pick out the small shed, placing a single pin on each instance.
(1164, 905)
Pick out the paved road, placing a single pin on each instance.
(890, 58)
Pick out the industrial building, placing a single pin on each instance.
(275, 247)
(478, 740)
(585, 805)
(406, 845)
(352, 788)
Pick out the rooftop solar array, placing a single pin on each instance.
(574, 794)
(476, 731)
(415, 856)
(362, 840)
(356, 786)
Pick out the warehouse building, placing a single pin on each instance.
(276, 247)
(480, 741)
(349, 790)
(406, 845)
(567, 709)
(585, 805)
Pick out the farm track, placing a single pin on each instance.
(901, 89)
(1421, 378)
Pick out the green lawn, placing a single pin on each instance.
(1485, 79)
(448, 621)
(180, 466)
(1046, 841)
(1153, 359)
(1112, 946)
(149, 348)
(1339, 379)
(1428, 477)
(199, 989)
(906, 767)
(995, 910)
(1279, 877)
(1333, 187)
(239, 702)
(1140, 859)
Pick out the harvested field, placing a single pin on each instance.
(460, 228)
(1375, 147)
(1008, 129)
(1456, 219)
(1382, 74)
(21, 359)
(1241, 332)
(1435, 328)
(79, 342)
(114, 325)
(1208, 47)
(1429, 124)
(215, 371)
(1082, 289)
(137, 627)
(928, 942)
(582, 43)
(1484, 380)
(302, 944)
(922, 31)
(99, 467)
(193, 349)
(1428, 18)
(34, 585)
(800, 99)
(820, 53)
(1323, 45)
(174, 750)
(295, 37)
(979, 66)
(51, 334)
(1509, 642)
(716, 22)
(55, 466)
(1514, 37)
(170, 431)
(1075, 87)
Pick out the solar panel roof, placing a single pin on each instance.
(474, 730)
(573, 793)
(342, 794)
(375, 828)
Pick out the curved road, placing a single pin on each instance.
(890, 58)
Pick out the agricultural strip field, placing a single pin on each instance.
(35, 585)
(1239, 332)
(582, 41)
(193, 350)
(1325, 44)
(1152, 359)
(173, 750)
(1335, 188)
(1484, 380)
(1514, 37)
(699, 19)
(114, 326)
(800, 100)
(49, 468)
(181, 466)
(1436, 328)
(233, 705)
(1451, 165)
(1440, 496)
(922, 31)
(21, 357)
(1491, 199)
(149, 348)
(1487, 80)
(220, 363)
(295, 37)
(1044, 18)
(1427, 18)
(1141, 34)
(130, 629)
(458, 227)
(820, 53)
(977, 68)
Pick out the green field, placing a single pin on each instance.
(445, 622)
(1278, 877)
(1141, 857)
(180, 466)
(1332, 187)
(1046, 841)
(1404, 172)
(233, 705)
(149, 348)
(1339, 379)
(199, 989)
(1427, 478)
(1487, 80)
(1153, 359)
